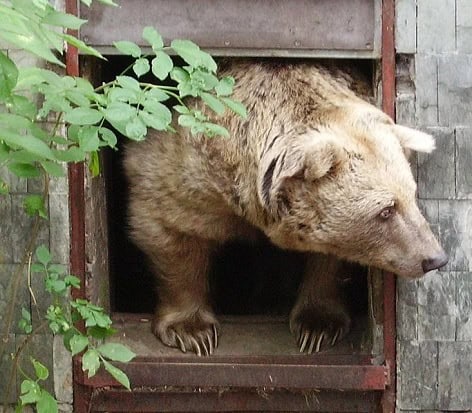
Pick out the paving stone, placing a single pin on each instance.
(455, 233)
(437, 308)
(6, 294)
(6, 245)
(464, 306)
(407, 309)
(417, 375)
(22, 225)
(59, 227)
(62, 373)
(464, 26)
(464, 162)
(436, 171)
(5, 368)
(426, 82)
(405, 26)
(436, 26)
(455, 89)
(430, 210)
(39, 347)
(455, 376)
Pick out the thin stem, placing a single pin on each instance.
(16, 361)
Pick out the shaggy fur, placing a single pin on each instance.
(314, 167)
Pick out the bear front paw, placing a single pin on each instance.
(195, 331)
(319, 325)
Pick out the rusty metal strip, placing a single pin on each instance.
(280, 376)
(82, 394)
(389, 296)
(231, 400)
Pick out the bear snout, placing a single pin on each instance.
(435, 262)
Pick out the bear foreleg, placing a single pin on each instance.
(320, 316)
(183, 317)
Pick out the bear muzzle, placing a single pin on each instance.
(436, 262)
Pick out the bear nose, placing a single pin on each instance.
(435, 263)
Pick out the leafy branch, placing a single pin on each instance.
(33, 97)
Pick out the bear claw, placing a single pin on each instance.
(198, 333)
(310, 342)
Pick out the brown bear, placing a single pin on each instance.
(314, 167)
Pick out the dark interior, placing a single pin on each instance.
(245, 279)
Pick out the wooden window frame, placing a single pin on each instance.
(363, 382)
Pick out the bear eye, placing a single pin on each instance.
(387, 212)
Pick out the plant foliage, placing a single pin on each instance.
(31, 98)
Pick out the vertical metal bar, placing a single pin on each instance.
(77, 215)
(389, 296)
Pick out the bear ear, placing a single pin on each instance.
(413, 140)
(306, 157)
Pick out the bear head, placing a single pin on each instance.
(346, 188)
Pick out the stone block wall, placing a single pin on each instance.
(15, 230)
(434, 93)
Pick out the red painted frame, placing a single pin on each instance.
(84, 388)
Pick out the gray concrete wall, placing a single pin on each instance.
(434, 93)
(15, 230)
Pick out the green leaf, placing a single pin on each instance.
(23, 106)
(100, 333)
(154, 120)
(156, 94)
(57, 268)
(128, 82)
(225, 86)
(37, 267)
(153, 38)
(119, 112)
(136, 129)
(72, 281)
(141, 67)
(187, 121)
(42, 373)
(77, 97)
(117, 374)
(90, 362)
(88, 139)
(34, 204)
(181, 109)
(108, 136)
(120, 94)
(213, 102)
(108, 3)
(46, 403)
(23, 170)
(30, 392)
(25, 314)
(128, 48)
(27, 142)
(53, 168)
(8, 75)
(203, 80)
(83, 116)
(78, 343)
(179, 75)
(43, 255)
(94, 164)
(192, 54)
(116, 352)
(162, 65)
(236, 107)
(72, 154)
(57, 18)
(212, 129)
(81, 46)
